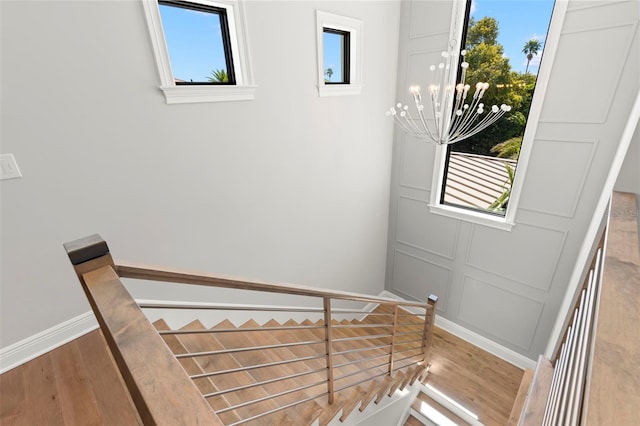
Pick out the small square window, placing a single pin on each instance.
(336, 45)
(197, 38)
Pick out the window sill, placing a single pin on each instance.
(472, 216)
(195, 94)
(339, 90)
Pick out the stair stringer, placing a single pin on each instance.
(388, 412)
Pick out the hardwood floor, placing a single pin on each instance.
(479, 381)
(77, 384)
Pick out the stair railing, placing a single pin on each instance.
(395, 336)
(592, 375)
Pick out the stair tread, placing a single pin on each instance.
(370, 394)
(383, 388)
(192, 367)
(207, 342)
(329, 411)
(301, 413)
(396, 383)
(352, 402)
(423, 398)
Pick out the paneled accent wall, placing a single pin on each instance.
(508, 285)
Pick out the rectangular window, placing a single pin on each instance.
(201, 50)
(197, 37)
(336, 45)
(339, 44)
(504, 43)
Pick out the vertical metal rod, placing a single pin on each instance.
(329, 341)
(394, 329)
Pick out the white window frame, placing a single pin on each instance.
(354, 28)
(243, 90)
(507, 221)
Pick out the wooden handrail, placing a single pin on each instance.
(161, 392)
(130, 270)
(164, 394)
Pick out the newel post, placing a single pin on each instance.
(429, 320)
(329, 344)
(87, 254)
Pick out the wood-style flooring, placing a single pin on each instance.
(77, 384)
(477, 380)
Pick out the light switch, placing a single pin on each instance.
(9, 167)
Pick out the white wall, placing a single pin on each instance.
(508, 286)
(289, 187)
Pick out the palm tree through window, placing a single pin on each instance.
(504, 43)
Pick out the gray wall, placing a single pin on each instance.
(507, 286)
(629, 177)
(289, 187)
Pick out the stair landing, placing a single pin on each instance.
(480, 382)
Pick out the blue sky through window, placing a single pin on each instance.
(518, 21)
(195, 45)
(333, 56)
(194, 40)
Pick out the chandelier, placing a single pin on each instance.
(453, 116)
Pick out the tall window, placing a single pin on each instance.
(197, 37)
(504, 42)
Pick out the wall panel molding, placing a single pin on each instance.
(602, 63)
(534, 263)
(417, 28)
(408, 278)
(575, 6)
(411, 174)
(514, 320)
(549, 192)
(437, 235)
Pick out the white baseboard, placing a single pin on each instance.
(482, 342)
(45, 341)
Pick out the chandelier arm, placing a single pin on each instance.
(405, 124)
(437, 121)
(489, 121)
(453, 118)
(412, 128)
(465, 121)
(434, 110)
(426, 126)
(470, 115)
(473, 126)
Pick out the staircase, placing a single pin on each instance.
(321, 366)
(265, 386)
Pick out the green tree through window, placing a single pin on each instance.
(488, 62)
